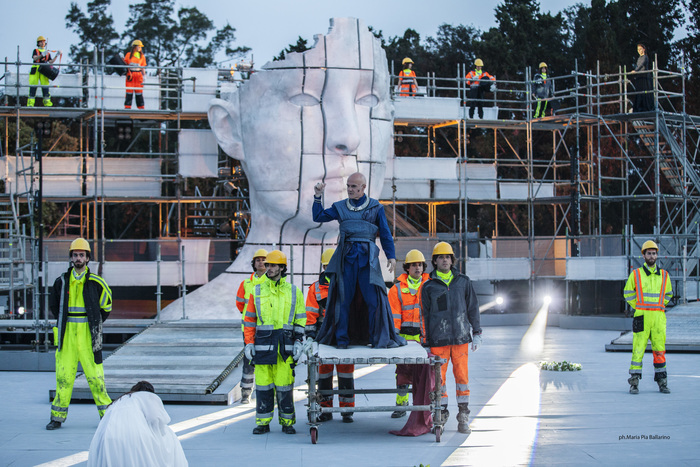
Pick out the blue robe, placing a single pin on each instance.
(355, 267)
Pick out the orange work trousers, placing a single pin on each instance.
(459, 355)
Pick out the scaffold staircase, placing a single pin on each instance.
(11, 276)
(678, 168)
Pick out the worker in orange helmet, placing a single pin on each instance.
(136, 63)
(407, 79)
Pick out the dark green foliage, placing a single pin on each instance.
(95, 29)
(302, 45)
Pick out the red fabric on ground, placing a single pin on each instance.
(423, 378)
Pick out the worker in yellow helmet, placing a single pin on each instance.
(648, 291)
(407, 79)
(316, 300)
(404, 299)
(274, 328)
(542, 90)
(478, 81)
(40, 56)
(80, 301)
(450, 323)
(258, 276)
(136, 63)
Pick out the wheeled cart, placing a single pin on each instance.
(411, 354)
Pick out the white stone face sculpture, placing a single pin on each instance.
(320, 115)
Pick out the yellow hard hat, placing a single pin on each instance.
(478, 62)
(414, 256)
(79, 244)
(542, 64)
(327, 255)
(406, 60)
(443, 248)
(649, 244)
(137, 42)
(41, 38)
(276, 257)
(261, 253)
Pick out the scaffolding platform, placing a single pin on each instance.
(193, 361)
(411, 354)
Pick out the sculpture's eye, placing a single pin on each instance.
(370, 100)
(304, 100)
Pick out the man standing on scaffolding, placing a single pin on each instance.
(542, 90)
(478, 81)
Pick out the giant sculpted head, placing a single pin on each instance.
(320, 115)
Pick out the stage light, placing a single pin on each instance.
(125, 129)
(499, 300)
(547, 299)
(20, 310)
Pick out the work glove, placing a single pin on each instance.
(476, 342)
(298, 348)
(249, 351)
(308, 345)
(493, 88)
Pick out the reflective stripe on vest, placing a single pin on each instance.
(643, 305)
(258, 307)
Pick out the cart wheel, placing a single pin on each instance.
(314, 434)
(438, 433)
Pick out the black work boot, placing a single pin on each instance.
(444, 414)
(634, 384)
(53, 425)
(463, 418)
(245, 395)
(663, 386)
(347, 418)
(325, 417)
(399, 413)
(261, 429)
(289, 429)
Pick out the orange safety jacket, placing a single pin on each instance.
(407, 81)
(473, 78)
(315, 307)
(405, 305)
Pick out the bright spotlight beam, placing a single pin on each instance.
(532, 342)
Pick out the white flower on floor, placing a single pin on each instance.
(560, 366)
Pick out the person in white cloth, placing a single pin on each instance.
(134, 431)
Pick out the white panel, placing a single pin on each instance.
(412, 177)
(115, 91)
(197, 93)
(498, 268)
(420, 168)
(198, 153)
(518, 190)
(426, 108)
(125, 177)
(418, 190)
(62, 176)
(144, 273)
(65, 85)
(605, 268)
